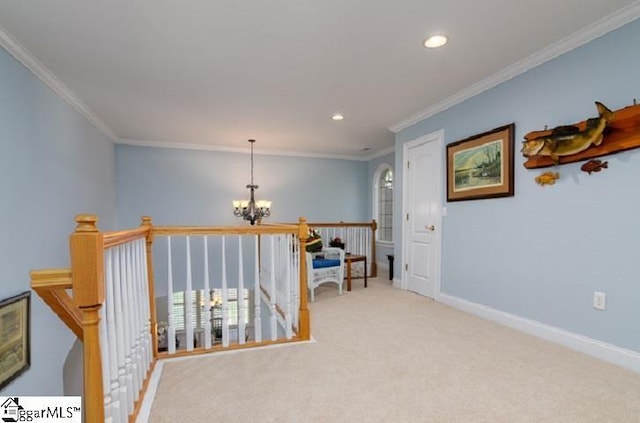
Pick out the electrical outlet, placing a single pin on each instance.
(599, 300)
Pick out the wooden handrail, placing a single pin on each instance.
(224, 230)
(51, 279)
(52, 285)
(339, 224)
(112, 239)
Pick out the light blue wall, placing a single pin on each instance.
(53, 165)
(542, 253)
(187, 187)
(381, 249)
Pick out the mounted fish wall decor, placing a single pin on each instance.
(609, 133)
(567, 140)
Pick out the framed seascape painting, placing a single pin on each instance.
(14, 337)
(481, 166)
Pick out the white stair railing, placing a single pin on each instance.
(125, 337)
(227, 298)
(357, 238)
(280, 280)
(113, 310)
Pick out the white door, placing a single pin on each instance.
(422, 215)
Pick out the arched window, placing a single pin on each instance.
(383, 202)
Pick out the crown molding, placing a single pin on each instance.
(219, 148)
(381, 153)
(575, 40)
(22, 55)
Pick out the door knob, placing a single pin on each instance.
(431, 228)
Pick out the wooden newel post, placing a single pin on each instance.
(305, 322)
(374, 263)
(146, 222)
(87, 271)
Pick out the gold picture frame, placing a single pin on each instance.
(481, 166)
(15, 346)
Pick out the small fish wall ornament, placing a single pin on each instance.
(594, 166)
(569, 139)
(547, 178)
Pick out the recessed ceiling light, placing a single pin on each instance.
(435, 41)
(337, 116)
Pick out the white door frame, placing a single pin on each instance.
(437, 137)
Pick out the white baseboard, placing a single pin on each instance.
(150, 394)
(608, 352)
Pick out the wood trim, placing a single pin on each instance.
(112, 239)
(51, 279)
(338, 225)
(224, 230)
(87, 267)
(304, 322)
(93, 393)
(63, 305)
(87, 262)
(231, 347)
(52, 285)
(148, 224)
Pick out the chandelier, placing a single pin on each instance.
(252, 210)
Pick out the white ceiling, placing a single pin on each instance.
(215, 73)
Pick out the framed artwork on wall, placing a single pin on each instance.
(481, 166)
(15, 354)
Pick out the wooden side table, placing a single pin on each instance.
(353, 258)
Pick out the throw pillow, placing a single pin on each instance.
(314, 242)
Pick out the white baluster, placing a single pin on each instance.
(139, 301)
(272, 288)
(104, 352)
(132, 323)
(257, 320)
(225, 298)
(111, 376)
(123, 318)
(286, 262)
(188, 301)
(240, 306)
(207, 290)
(296, 279)
(146, 298)
(125, 397)
(171, 329)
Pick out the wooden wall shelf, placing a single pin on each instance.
(622, 133)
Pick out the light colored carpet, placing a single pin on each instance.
(385, 355)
